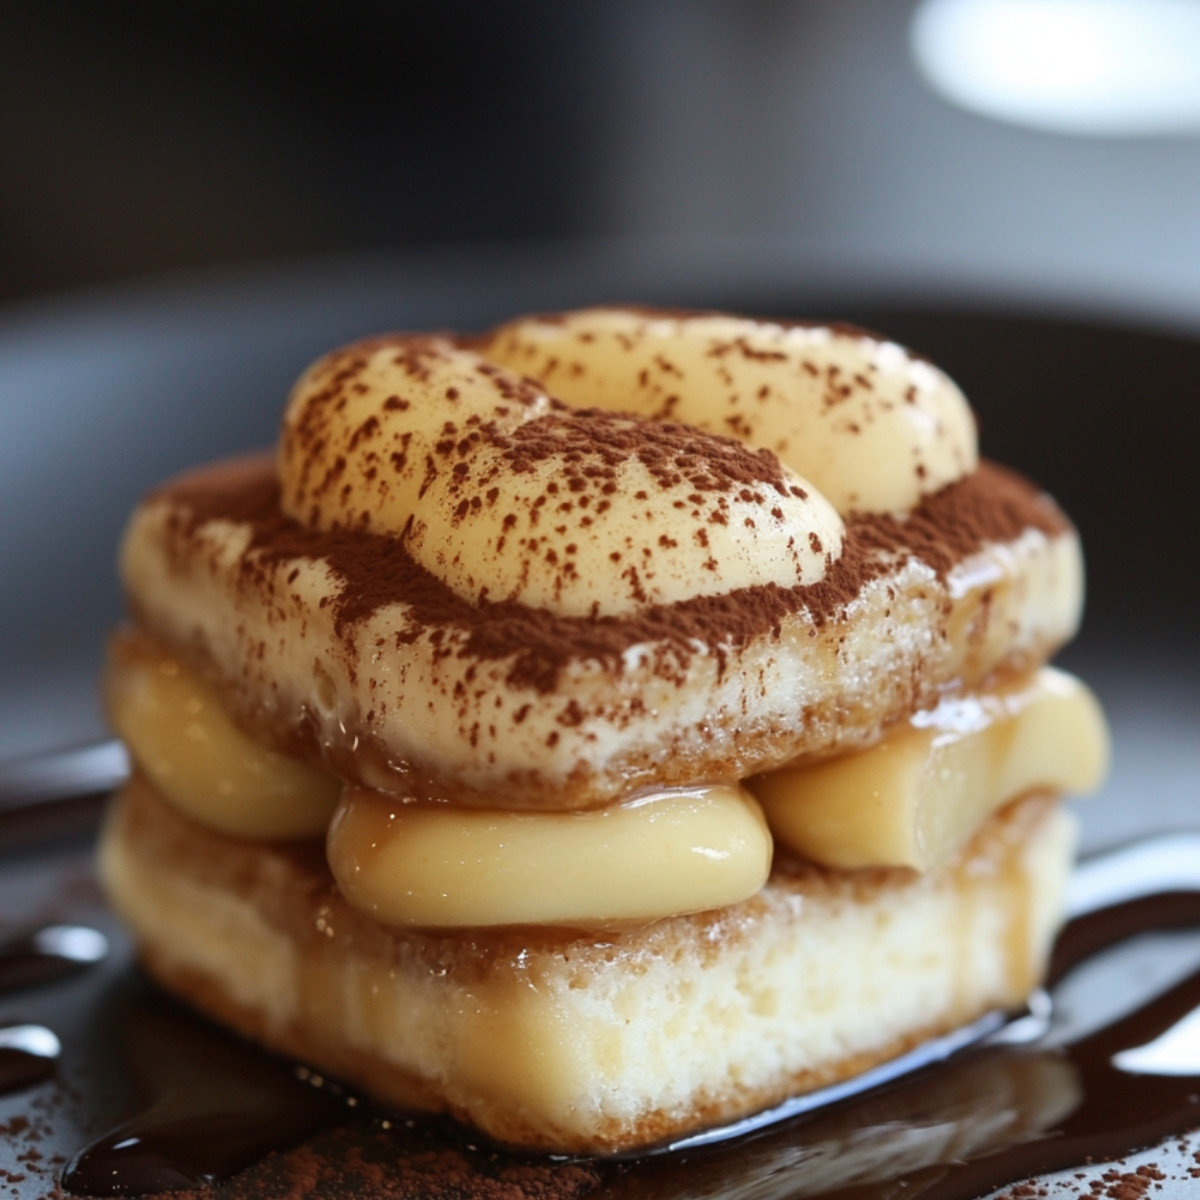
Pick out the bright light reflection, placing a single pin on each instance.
(1102, 67)
(1176, 1052)
(35, 1040)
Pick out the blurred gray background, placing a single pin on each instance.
(138, 137)
(198, 197)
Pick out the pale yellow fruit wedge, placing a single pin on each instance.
(915, 798)
(426, 865)
(180, 737)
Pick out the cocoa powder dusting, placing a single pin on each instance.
(669, 451)
(993, 504)
(374, 1162)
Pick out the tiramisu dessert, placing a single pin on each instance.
(601, 728)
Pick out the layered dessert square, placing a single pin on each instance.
(603, 727)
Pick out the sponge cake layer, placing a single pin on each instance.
(577, 1042)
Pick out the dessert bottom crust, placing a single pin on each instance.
(601, 1041)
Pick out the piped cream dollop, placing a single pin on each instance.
(185, 743)
(368, 428)
(871, 426)
(592, 514)
(505, 495)
(916, 797)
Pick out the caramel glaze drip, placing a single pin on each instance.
(216, 1107)
(991, 505)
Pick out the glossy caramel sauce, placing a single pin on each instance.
(214, 1107)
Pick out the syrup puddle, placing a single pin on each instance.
(218, 1107)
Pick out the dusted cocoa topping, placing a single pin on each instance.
(870, 426)
(592, 443)
(993, 504)
(534, 571)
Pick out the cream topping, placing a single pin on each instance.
(453, 586)
(870, 425)
(506, 496)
